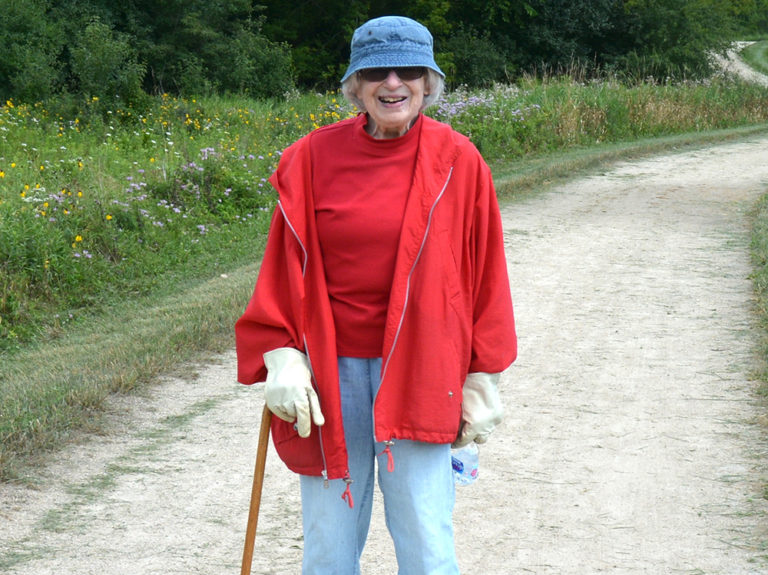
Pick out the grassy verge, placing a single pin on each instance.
(759, 252)
(756, 55)
(515, 178)
(51, 390)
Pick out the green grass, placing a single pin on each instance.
(756, 55)
(759, 251)
(98, 204)
(98, 298)
(515, 178)
(51, 390)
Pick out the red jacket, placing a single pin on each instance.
(450, 310)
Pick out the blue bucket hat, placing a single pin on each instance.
(391, 42)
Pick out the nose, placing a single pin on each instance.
(393, 78)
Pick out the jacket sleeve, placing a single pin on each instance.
(494, 341)
(271, 318)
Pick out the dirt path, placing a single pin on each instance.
(732, 63)
(630, 444)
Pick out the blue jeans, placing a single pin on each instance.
(418, 494)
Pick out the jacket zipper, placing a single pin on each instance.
(324, 471)
(407, 296)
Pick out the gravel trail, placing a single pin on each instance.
(633, 441)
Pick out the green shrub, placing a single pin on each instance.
(105, 65)
(255, 67)
(475, 61)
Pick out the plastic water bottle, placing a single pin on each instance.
(465, 461)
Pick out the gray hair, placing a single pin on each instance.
(432, 91)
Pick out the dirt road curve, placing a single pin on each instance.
(630, 444)
(732, 63)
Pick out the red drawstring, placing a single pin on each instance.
(390, 458)
(347, 495)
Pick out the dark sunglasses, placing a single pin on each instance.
(406, 74)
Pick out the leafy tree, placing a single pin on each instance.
(501, 22)
(472, 59)
(751, 16)
(31, 46)
(195, 47)
(102, 47)
(562, 34)
(104, 64)
(675, 37)
(257, 66)
(319, 32)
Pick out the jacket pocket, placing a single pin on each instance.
(300, 455)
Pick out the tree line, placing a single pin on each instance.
(126, 50)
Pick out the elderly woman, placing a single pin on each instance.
(381, 316)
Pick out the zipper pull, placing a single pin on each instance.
(347, 495)
(390, 457)
(324, 473)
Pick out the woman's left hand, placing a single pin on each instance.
(481, 409)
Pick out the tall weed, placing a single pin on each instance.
(542, 115)
(103, 202)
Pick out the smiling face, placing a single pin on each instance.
(392, 104)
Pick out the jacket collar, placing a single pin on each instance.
(439, 147)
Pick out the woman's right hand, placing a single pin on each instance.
(481, 409)
(289, 392)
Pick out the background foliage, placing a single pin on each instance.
(121, 51)
(478, 42)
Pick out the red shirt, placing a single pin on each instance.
(360, 187)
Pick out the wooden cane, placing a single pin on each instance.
(258, 482)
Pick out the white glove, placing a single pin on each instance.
(481, 408)
(288, 391)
